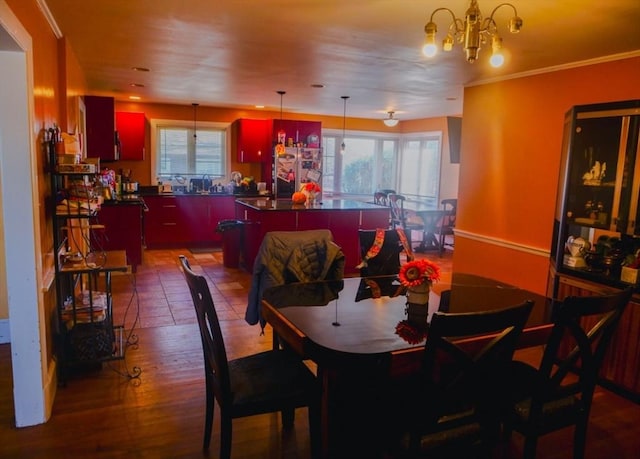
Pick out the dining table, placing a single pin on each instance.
(431, 218)
(356, 332)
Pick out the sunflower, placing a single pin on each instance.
(417, 272)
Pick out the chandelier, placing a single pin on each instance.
(472, 33)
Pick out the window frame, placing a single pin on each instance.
(400, 143)
(157, 124)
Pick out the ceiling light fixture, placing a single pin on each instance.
(472, 32)
(282, 136)
(391, 121)
(195, 108)
(344, 123)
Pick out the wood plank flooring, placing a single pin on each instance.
(102, 414)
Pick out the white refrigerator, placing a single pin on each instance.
(295, 166)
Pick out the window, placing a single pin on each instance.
(373, 161)
(420, 167)
(178, 153)
(368, 163)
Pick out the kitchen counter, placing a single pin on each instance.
(343, 217)
(268, 204)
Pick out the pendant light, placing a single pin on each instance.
(344, 123)
(195, 108)
(282, 136)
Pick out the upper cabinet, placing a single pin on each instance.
(293, 132)
(597, 220)
(131, 129)
(101, 132)
(252, 140)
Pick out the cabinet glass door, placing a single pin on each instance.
(599, 174)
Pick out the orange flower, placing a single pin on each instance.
(417, 272)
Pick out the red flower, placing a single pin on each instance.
(312, 187)
(410, 333)
(417, 272)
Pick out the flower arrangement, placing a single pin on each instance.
(310, 187)
(417, 272)
(411, 333)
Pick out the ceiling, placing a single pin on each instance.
(239, 53)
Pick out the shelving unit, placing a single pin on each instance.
(85, 333)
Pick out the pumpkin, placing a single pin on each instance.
(299, 198)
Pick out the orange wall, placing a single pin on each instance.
(511, 137)
(141, 170)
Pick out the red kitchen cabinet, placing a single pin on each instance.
(305, 132)
(131, 129)
(123, 230)
(252, 138)
(161, 222)
(100, 123)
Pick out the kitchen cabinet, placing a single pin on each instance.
(122, 229)
(100, 125)
(342, 217)
(308, 133)
(597, 220)
(189, 221)
(252, 142)
(131, 129)
(161, 222)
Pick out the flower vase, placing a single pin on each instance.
(311, 197)
(418, 303)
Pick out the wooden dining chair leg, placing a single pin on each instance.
(580, 438)
(208, 422)
(530, 446)
(288, 416)
(225, 436)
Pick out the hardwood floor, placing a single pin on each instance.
(102, 414)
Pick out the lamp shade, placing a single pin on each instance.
(391, 121)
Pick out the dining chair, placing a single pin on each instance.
(448, 222)
(260, 383)
(559, 393)
(380, 258)
(400, 217)
(449, 407)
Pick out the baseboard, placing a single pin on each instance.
(5, 333)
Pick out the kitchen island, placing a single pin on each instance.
(342, 217)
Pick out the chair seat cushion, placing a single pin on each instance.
(263, 381)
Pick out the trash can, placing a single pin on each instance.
(231, 240)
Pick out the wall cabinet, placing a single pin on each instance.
(252, 142)
(101, 132)
(597, 221)
(131, 129)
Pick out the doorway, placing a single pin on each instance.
(19, 234)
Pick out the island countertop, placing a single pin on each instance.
(326, 204)
(343, 217)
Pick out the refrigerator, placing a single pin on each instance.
(295, 166)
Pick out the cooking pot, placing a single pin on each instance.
(130, 187)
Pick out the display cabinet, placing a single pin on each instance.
(85, 329)
(596, 234)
